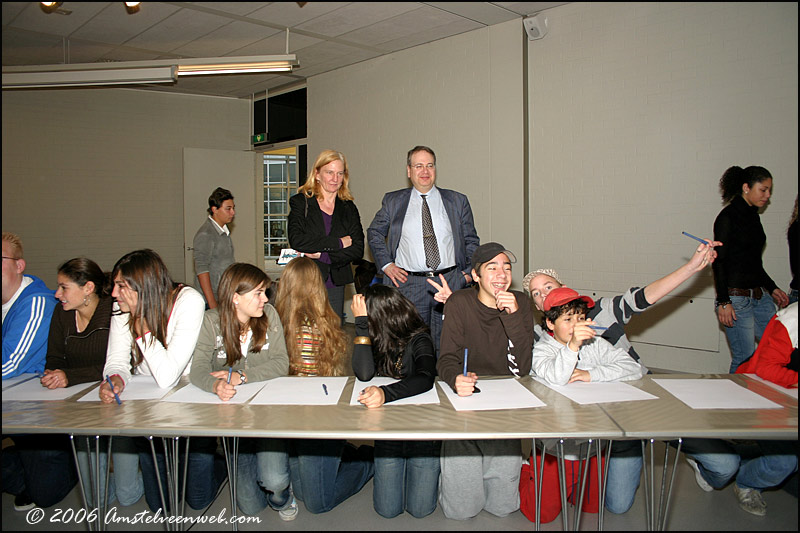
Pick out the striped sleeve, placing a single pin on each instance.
(24, 339)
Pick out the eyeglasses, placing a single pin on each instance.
(12, 258)
(420, 166)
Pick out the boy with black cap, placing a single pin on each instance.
(496, 325)
(571, 352)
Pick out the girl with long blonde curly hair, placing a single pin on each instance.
(314, 338)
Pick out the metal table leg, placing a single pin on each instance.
(231, 462)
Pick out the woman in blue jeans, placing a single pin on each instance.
(392, 340)
(155, 323)
(745, 292)
(324, 473)
(242, 341)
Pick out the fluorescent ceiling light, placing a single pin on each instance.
(139, 72)
(78, 78)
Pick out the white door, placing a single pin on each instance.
(203, 171)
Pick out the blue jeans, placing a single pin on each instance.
(262, 475)
(205, 473)
(792, 296)
(41, 466)
(717, 460)
(87, 464)
(326, 472)
(406, 477)
(777, 462)
(127, 477)
(752, 316)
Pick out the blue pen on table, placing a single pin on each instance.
(116, 396)
(474, 388)
(325, 388)
(695, 238)
(230, 371)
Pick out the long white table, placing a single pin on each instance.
(665, 418)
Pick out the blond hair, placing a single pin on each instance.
(15, 242)
(311, 188)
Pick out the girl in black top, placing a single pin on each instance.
(392, 340)
(745, 292)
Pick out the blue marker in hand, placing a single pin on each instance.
(116, 396)
(695, 238)
(230, 371)
(474, 389)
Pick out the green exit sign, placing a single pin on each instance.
(260, 138)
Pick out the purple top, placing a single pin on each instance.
(324, 257)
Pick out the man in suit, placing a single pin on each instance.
(424, 233)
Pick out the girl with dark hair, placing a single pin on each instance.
(745, 292)
(243, 338)
(76, 351)
(392, 340)
(324, 472)
(157, 321)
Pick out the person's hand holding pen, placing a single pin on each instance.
(222, 387)
(107, 393)
(582, 332)
(372, 397)
(704, 255)
(54, 379)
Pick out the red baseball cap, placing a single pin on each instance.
(563, 295)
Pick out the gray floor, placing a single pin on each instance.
(690, 509)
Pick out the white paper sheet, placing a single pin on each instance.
(16, 380)
(298, 390)
(139, 387)
(193, 394)
(714, 394)
(599, 392)
(789, 392)
(32, 390)
(429, 396)
(495, 394)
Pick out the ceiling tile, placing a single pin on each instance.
(276, 44)
(235, 8)
(177, 30)
(114, 25)
(483, 12)
(355, 16)
(289, 14)
(35, 19)
(226, 40)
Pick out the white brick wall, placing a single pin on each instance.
(637, 110)
(99, 173)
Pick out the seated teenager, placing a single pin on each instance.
(496, 325)
(775, 360)
(76, 352)
(28, 466)
(324, 472)
(392, 340)
(160, 321)
(242, 341)
(570, 351)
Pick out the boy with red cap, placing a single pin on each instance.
(571, 352)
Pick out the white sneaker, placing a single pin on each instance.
(698, 476)
(289, 513)
(750, 500)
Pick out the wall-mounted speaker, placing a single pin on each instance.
(535, 26)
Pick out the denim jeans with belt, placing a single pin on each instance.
(406, 477)
(752, 315)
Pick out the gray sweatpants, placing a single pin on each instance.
(479, 474)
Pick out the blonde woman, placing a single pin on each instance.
(324, 224)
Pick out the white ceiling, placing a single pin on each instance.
(324, 35)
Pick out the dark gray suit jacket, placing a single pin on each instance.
(383, 235)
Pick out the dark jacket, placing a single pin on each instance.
(307, 234)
